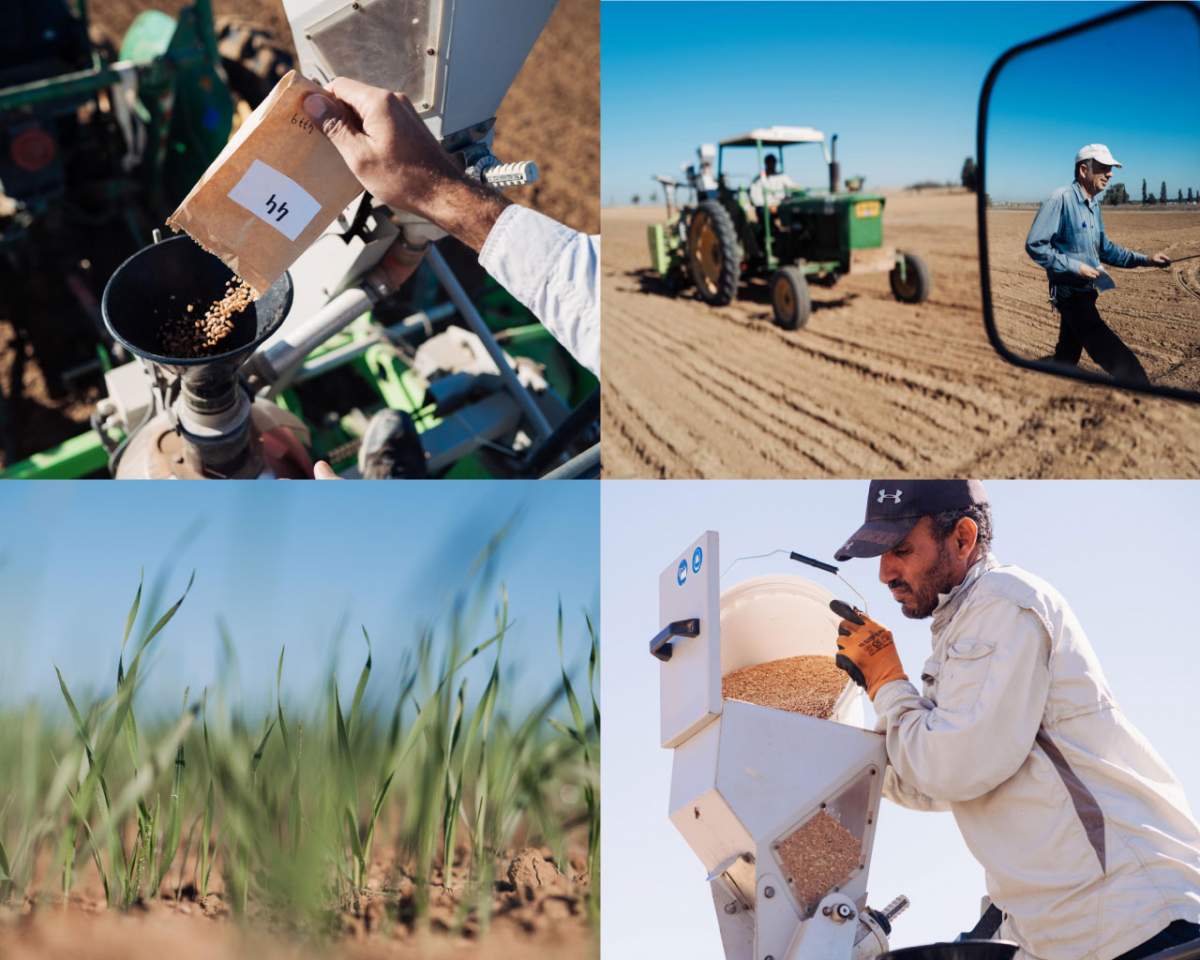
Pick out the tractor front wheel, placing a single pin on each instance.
(914, 286)
(713, 255)
(789, 298)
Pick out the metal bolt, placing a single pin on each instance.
(769, 957)
(768, 892)
(429, 51)
(696, 812)
(826, 911)
(845, 911)
(731, 908)
(424, 104)
(356, 6)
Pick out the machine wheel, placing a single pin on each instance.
(713, 255)
(914, 288)
(789, 298)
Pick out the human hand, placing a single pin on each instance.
(866, 650)
(1161, 260)
(389, 149)
(1088, 272)
(323, 471)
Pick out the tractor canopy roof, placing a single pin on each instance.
(775, 137)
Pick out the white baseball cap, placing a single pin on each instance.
(1098, 152)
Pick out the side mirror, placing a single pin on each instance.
(1064, 287)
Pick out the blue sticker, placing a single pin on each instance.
(681, 575)
(697, 560)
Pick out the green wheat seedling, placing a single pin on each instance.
(301, 812)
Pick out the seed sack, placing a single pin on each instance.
(817, 857)
(806, 684)
(272, 191)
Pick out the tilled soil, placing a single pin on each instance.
(869, 387)
(536, 912)
(1155, 312)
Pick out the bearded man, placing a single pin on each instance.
(1089, 848)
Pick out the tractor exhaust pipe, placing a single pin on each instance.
(835, 169)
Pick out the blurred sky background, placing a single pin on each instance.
(1107, 546)
(900, 84)
(284, 563)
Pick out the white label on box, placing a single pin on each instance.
(275, 199)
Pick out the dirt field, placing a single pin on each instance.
(1157, 314)
(536, 912)
(870, 387)
(550, 115)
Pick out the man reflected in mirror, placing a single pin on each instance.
(1068, 241)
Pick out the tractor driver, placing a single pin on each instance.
(553, 270)
(770, 187)
(1068, 241)
(1086, 839)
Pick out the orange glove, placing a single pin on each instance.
(866, 650)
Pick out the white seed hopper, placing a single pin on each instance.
(750, 783)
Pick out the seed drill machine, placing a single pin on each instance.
(752, 786)
(787, 234)
(375, 314)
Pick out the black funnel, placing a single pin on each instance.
(964, 950)
(158, 283)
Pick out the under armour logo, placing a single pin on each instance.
(894, 497)
(273, 205)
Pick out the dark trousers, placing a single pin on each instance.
(1181, 931)
(1081, 328)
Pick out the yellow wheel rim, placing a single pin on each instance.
(706, 252)
(785, 299)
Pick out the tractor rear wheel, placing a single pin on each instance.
(915, 285)
(713, 254)
(789, 298)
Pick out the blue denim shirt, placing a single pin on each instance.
(1068, 231)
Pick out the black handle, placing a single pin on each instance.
(847, 612)
(660, 646)
(819, 564)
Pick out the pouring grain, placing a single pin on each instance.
(201, 336)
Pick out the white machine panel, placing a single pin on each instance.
(454, 59)
(775, 765)
(690, 682)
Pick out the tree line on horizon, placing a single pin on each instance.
(1114, 196)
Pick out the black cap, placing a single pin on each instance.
(895, 506)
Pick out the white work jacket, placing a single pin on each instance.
(1086, 839)
(555, 272)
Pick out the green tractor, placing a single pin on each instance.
(774, 229)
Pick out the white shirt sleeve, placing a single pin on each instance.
(555, 272)
(991, 695)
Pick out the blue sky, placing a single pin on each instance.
(282, 563)
(1107, 546)
(898, 82)
(1146, 109)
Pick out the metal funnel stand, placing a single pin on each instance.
(202, 397)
